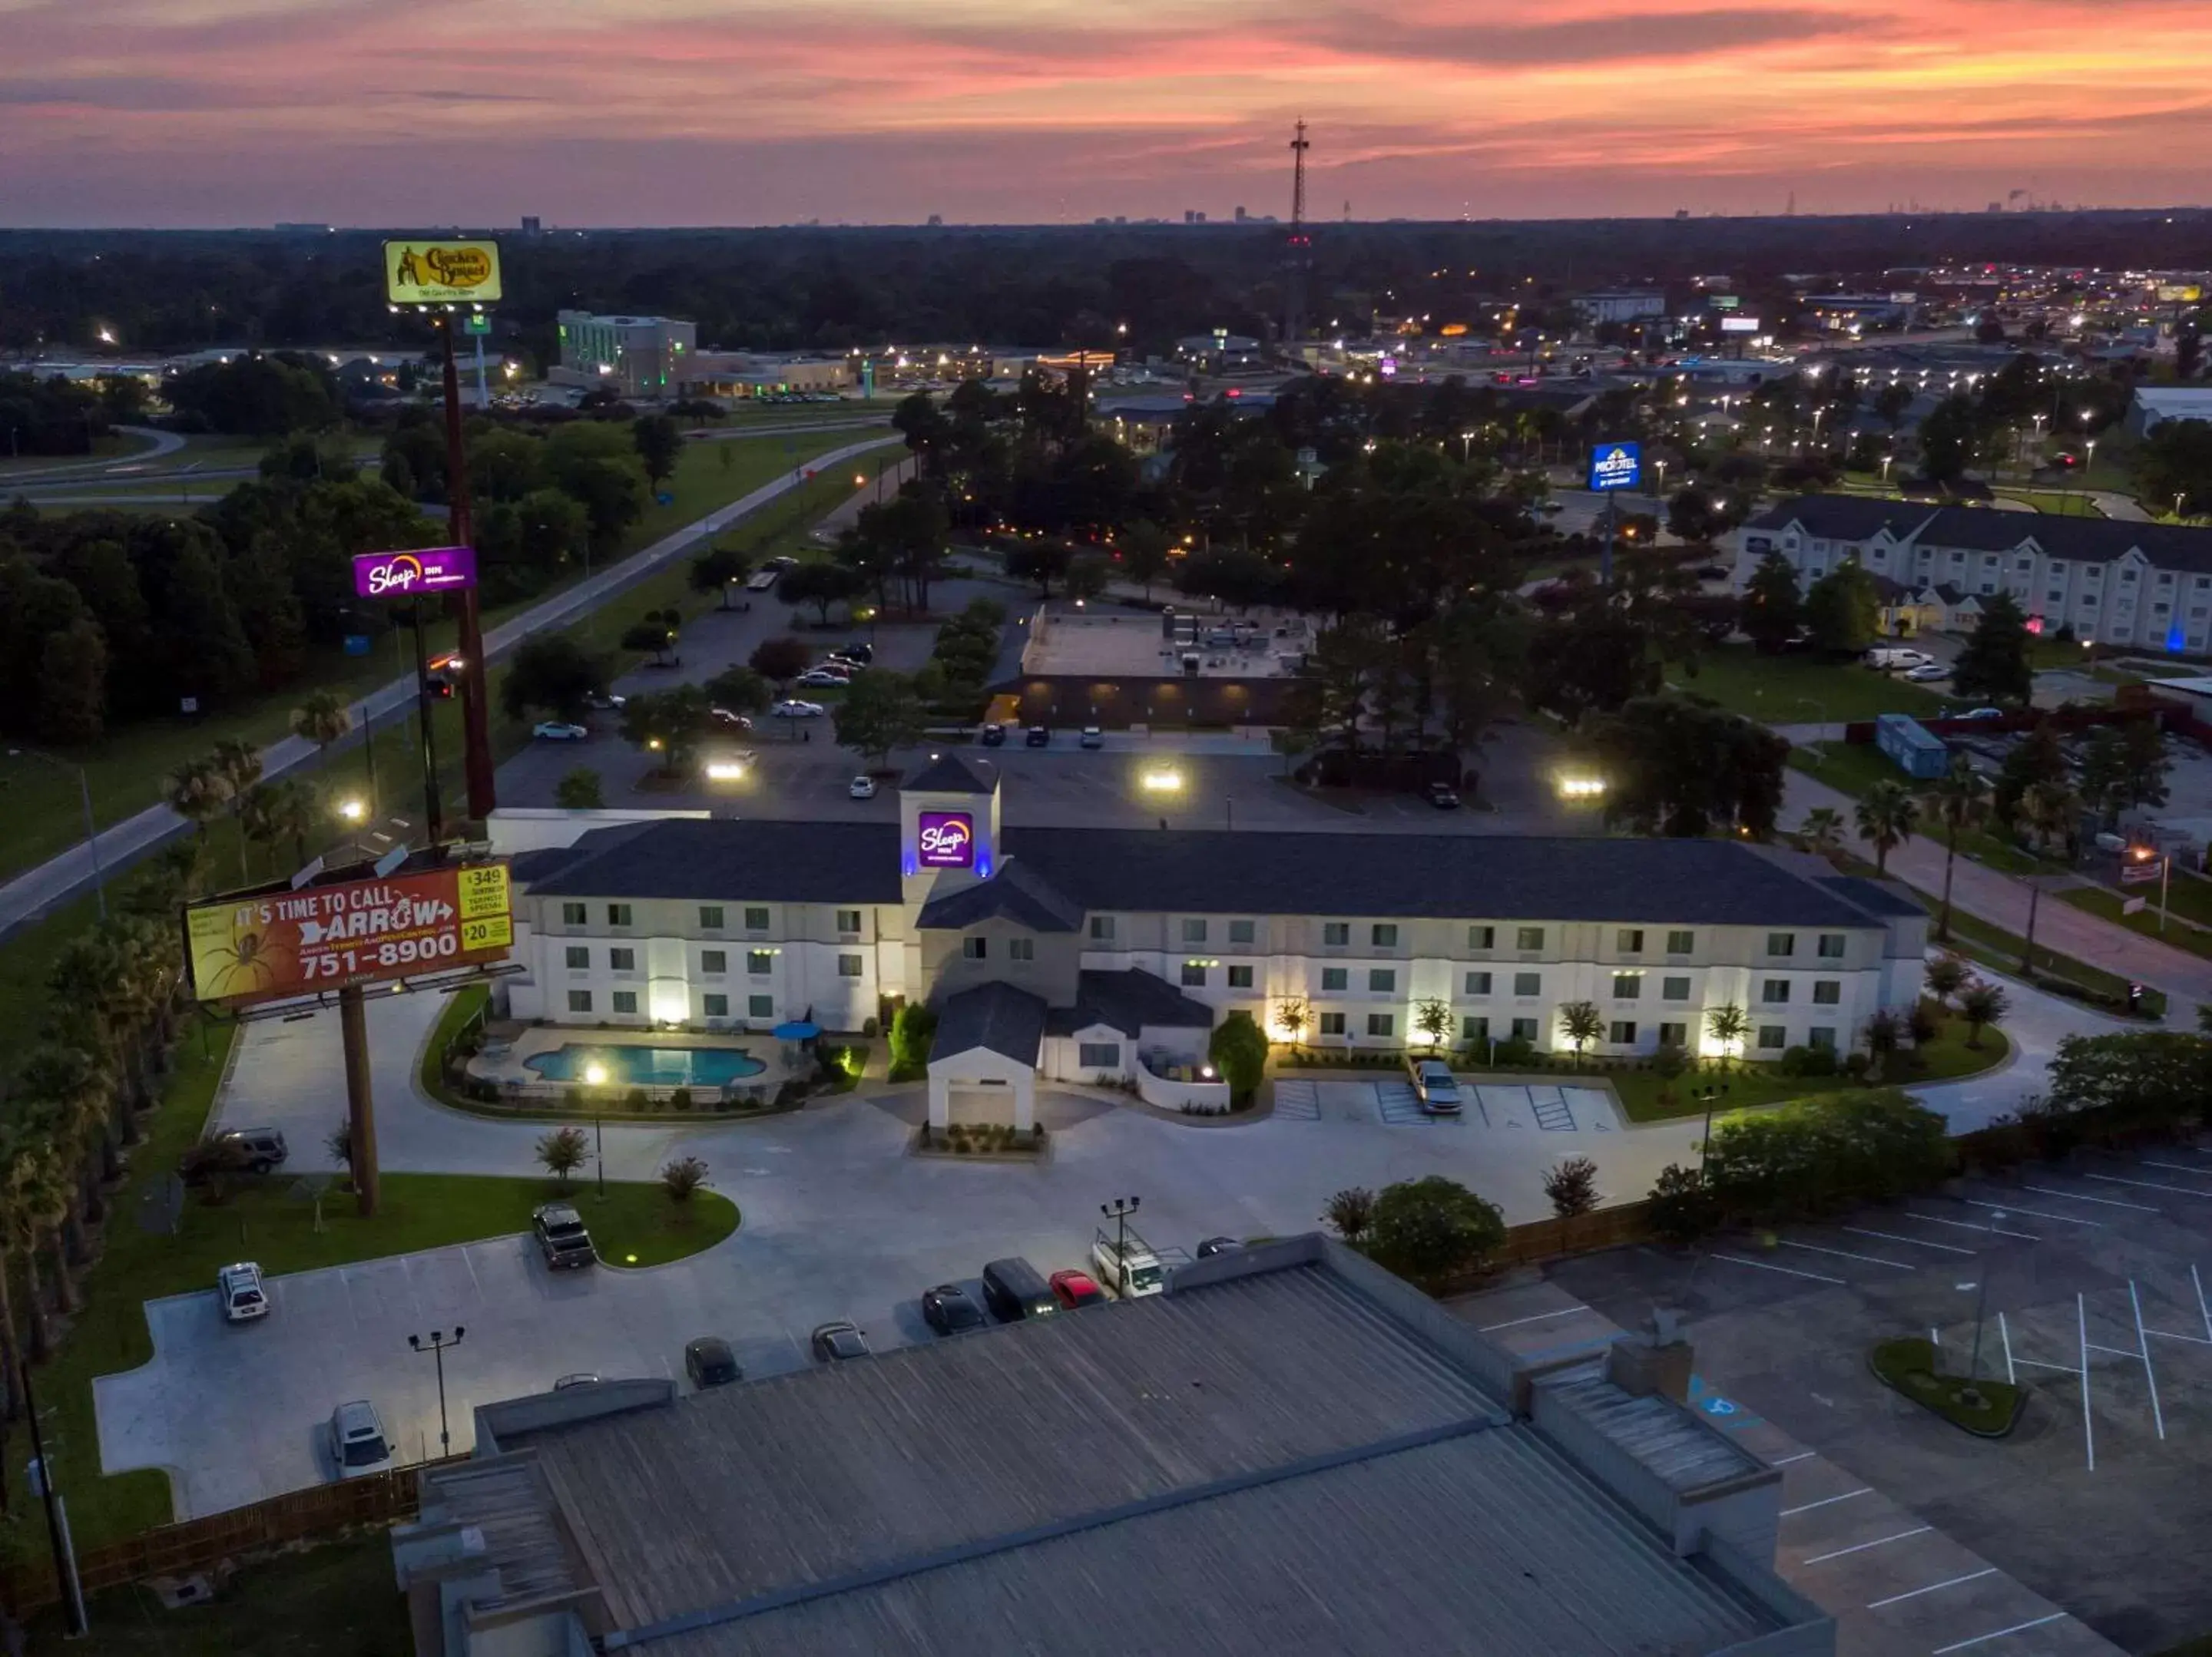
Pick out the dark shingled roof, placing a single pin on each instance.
(1880, 898)
(1008, 1021)
(1978, 529)
(711, 857)
(953, 773)
(1129, 1001)
(1015, 892)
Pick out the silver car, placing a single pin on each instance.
(358, 1444)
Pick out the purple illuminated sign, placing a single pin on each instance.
(945, 839)
(425, 569)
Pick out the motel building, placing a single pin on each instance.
(1077, 954)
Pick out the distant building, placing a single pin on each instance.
(638, 357)
(1219, 352)
(762, 373)
(1844, 313)
(531, 226)
(2155, 405)
(1621, 307)
(303, 229)
(1240, 216)
(1193, 215)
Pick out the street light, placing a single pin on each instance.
(352, 811)
(437, 1346)
(84, 799)
(595, 1077)
(1119, 1211)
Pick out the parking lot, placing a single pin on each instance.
(1510, 1107)
(2092, 1279)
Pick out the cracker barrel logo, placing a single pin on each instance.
(424, 273)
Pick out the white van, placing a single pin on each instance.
(1891, 659)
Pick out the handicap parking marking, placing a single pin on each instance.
(1723, 1412)
(1398, 1106)
(1553, 1114)
(1299, 1100)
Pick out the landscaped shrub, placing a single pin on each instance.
(1807, 1061)
(1239, 1052)
(1681, 1211)
(1516, 1053)
(637, 1100)
(1433, 1229)
(1828, 1152)
(680, 1100)
(913, 1030)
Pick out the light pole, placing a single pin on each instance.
(1119, 1211)
(1981, 1287)
(438, 1343)
(595, 1078)
(84, 799)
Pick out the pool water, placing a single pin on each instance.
(660, 1067)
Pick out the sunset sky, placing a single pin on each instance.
(741, 111)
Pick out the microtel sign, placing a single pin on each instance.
(426, 569)
(1616, 466)
(945, 839)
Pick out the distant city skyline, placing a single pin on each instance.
(246, 113)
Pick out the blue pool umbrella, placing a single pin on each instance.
(798, 1030)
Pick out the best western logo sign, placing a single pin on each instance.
(945, 839)
(1616, 466)
(426, 569)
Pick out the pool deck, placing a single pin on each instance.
(781, 1061)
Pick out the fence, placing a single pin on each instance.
(1585, 1234)
(196, 1544)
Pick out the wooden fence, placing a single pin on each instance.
(1585, 1234)
(196, 1544)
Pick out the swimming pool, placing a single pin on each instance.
(656, 1067)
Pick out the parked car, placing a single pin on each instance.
(263, 1147)
(1093, 737)
(606, 701)
(856, 651)
(994, 736)
(948, 1309)
(1927, 674)
(735, 721)
(1036, 736)
(821, 678)
(1979, 713)
(838, 662)
(237, 1289)
(1890, 658)
(795, 709)
(862, 787)
(581, 1378)
(710, 1363)
(1434, 1085)
(558, 730)
(357, 1442)
(1212, 1246)
(1441, 796)
(839, 1342)
(562, 1237)
(1074, 1290)
(1014, 1289)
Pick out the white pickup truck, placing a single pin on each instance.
(1127, 1265)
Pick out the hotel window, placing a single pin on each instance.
(1193, 974)
(1385, 937)
(1775, 992)
(1474, 1028)
(571, 914)
(1102, 929)
(1193, 932)
(1476, 984)
(618, 914)
(1331, 1023)
(848, 966)
(1240, 978)
(759, 963)
(1673, 1036)
(1382, 981)
(622, 961)
(1242, 932)
(1782, 943)
(710, 917)
(1674, 989)
(1099, 1055)
(1482, 938)
(849, 921)
(1773, 1037)
(1681, 943)
(1381, 1024)
(2127, 576)
(1831, 946)
(1335, 934)
(1334, 978)
(1627, 986)
(625, 1001)
(756, 920)
(1629, 940)
(1021, 948)
(1524, 1029)
(1527, 984)
(974, 949)
(1529, 937)
(1623, 1033)
(1828, 992)
(579, 1001)
(1822, 1037)
(760, 1006)
(579, 960)
(716, 1006)
(713, 962)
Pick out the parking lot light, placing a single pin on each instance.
(1162, 780)
(352, 811)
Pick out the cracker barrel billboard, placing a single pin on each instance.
(267, 946)
(441, 272)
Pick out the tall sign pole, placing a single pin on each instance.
(1613, 466)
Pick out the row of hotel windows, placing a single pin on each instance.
(1627, 986)
(1620, 1033)
(1383, 935)
(710, 1007)
(712, 917)
(713, 963)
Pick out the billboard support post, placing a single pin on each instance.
(361, 1101)
(476, 718)
(432, 807)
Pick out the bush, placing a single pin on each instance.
(1572, 1187)
(680, 1100)
(682, 1177)
(1433, 1229)
(1669, 1061)
(1682, 1210)
(1516, 1053)
(1239, 1050)
(913, 1030)
(1799, 1160)
(637, 1100)
(1925, 1023)
(1807, 1061)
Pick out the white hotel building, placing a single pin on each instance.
(2147, 585)
(1077, 953)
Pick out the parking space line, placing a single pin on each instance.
(1949, 1582)
(2102, 1202)
(1864, 1231)
(1880, 1541)
(2146, 1185)
(1784, 1462)
(1844, 1253)
(2168, 1334)
(2088, 1427)
(2005, 1335)
(2178, 1168)
(2007, 1208)
(2150, 1374)
(2203, 1311)
(1828, 1501)
(2017, 1627)
(1968, 1225)
(1515, 1323)
(1787, 1271)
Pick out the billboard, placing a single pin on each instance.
(267, 946)
(2179, 293)
(441, 272)
(1616, 466)
(944, 840)
(1739, 325)
(425, 569)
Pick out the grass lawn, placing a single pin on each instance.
(2054, 500)
(633, 1224)
(113, 447)
(2104, 903)
(1851, 767)
(338, 1601)
(1913, 1366)
(1798, 690)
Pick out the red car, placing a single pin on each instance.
(1074, 1290)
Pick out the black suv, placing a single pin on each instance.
(562, 1237)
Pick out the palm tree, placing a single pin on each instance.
(1886, 816)
(36, 1205)
(196, 791)
(322, 718)
(2051, 808)
(273, 812)
(1822, 831)
(238, 761)
(1957, 800)
(1581, 1023)
(1728, 1025)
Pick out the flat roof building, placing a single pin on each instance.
(638, 357)
(1290, 1452)
(2155, 405)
